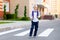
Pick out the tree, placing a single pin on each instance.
(25, 16)
(16, 11)
(25, 11)
(5, 12)
(56, 15)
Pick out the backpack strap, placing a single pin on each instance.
(32, 13)
(37, 14)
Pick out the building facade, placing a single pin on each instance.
(46, 7)
(2, 3)
(54, 6)
(21, 3)
(49, 7)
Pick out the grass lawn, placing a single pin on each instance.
(4, 22)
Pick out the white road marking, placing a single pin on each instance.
(46, 33)
(6, 32)
(23, 33)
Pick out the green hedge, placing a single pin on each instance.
(24, 18)
(10, 16)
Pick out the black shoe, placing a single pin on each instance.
(34, 36)
(30, 35)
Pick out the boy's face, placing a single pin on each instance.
(35, 8)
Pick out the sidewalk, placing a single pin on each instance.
(15, 24)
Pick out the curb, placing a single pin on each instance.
(8, 28)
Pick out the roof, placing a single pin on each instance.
(41, 6)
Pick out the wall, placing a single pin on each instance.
(54, 7)
(2, 2)
(1, 9)
(21, 3)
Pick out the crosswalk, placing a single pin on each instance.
(6, 32)
(23, 33)
(45, 33)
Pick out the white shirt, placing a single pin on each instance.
(35, 19)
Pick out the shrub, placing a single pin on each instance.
(4, 12)
(56, 15)
(24, 18)
(16, 11)
(25, 11)
(10, 16)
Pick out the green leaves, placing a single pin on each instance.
(4, 11)
(25, 11)
(16, 11)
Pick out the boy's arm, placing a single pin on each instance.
(39, 15)
(30, 15)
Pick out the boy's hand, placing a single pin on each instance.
(32, 18)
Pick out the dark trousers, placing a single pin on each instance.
(34, 26)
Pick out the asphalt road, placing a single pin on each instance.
(48, 30)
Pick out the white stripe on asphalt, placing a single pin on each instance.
(6, 32)
(23, 33)
(46, 33)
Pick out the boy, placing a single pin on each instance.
(34, 20)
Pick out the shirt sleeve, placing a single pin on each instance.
(30, 15)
